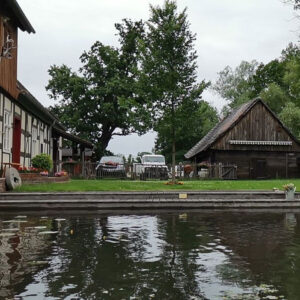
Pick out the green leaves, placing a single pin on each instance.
(290, 116)
(100, 100)
(277, 83)
(192, 123)
(42, 161)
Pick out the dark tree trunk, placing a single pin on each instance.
(102, 143)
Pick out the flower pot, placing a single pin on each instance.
(290, 195)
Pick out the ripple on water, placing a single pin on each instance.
(14, 221)
(47, 232)
(124, 257)
(7, 234)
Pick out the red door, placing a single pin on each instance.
(16, 151)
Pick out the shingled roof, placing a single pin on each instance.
(222, 127)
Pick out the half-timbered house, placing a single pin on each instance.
(255, 140)
(27, 128)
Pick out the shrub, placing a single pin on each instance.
(42, 161)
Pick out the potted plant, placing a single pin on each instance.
(289, 191)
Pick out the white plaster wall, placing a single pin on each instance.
(8, 107)
(43, 131)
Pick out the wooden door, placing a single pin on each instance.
(260, 169)
(16, 151)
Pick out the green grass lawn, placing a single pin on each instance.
(122, 185)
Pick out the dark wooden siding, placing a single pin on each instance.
(257, 125)
(8, 67)
(260, 164)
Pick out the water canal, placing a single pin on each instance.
(219, 255)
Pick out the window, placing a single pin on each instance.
(34, 141)
(6, 133)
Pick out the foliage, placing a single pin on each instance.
(130, 159)
(290, 116)
(277, 83)
(296, 4)
(233, 84)
(140, 155)
(289, 187)
(189, 130)
(100, 101)
(23, 169)
(275, 97)
(168, 66)
(42, 161)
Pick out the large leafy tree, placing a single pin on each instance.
(201, 118)
(277, 83)
(100, 101)
(168, 67)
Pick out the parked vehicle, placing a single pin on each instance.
(110, 166)
(151, 167)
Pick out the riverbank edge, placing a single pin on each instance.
(147, 200)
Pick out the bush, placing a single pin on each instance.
(42, 161)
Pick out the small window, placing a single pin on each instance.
(7, 129)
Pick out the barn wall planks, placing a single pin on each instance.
(260, 164)
(257, 125)
(256, 161)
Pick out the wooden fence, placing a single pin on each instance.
(89, 170)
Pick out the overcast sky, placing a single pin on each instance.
(228, 31)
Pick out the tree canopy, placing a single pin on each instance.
(277, 83)
(99, 101)
(148, 82)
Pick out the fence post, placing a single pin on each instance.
(82, 150)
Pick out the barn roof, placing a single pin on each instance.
(227, 123)
(15, 12)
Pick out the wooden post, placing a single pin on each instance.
(74, 148)
(286, 165)
(82, 150)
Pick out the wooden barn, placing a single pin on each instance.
(255, 140)
(27, 127)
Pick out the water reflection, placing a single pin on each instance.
(161, 256)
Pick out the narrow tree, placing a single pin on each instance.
(168, 66)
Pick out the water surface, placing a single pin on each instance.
(209, 255)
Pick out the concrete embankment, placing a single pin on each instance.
(147, 200)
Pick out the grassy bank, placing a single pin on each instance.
(122, 185)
